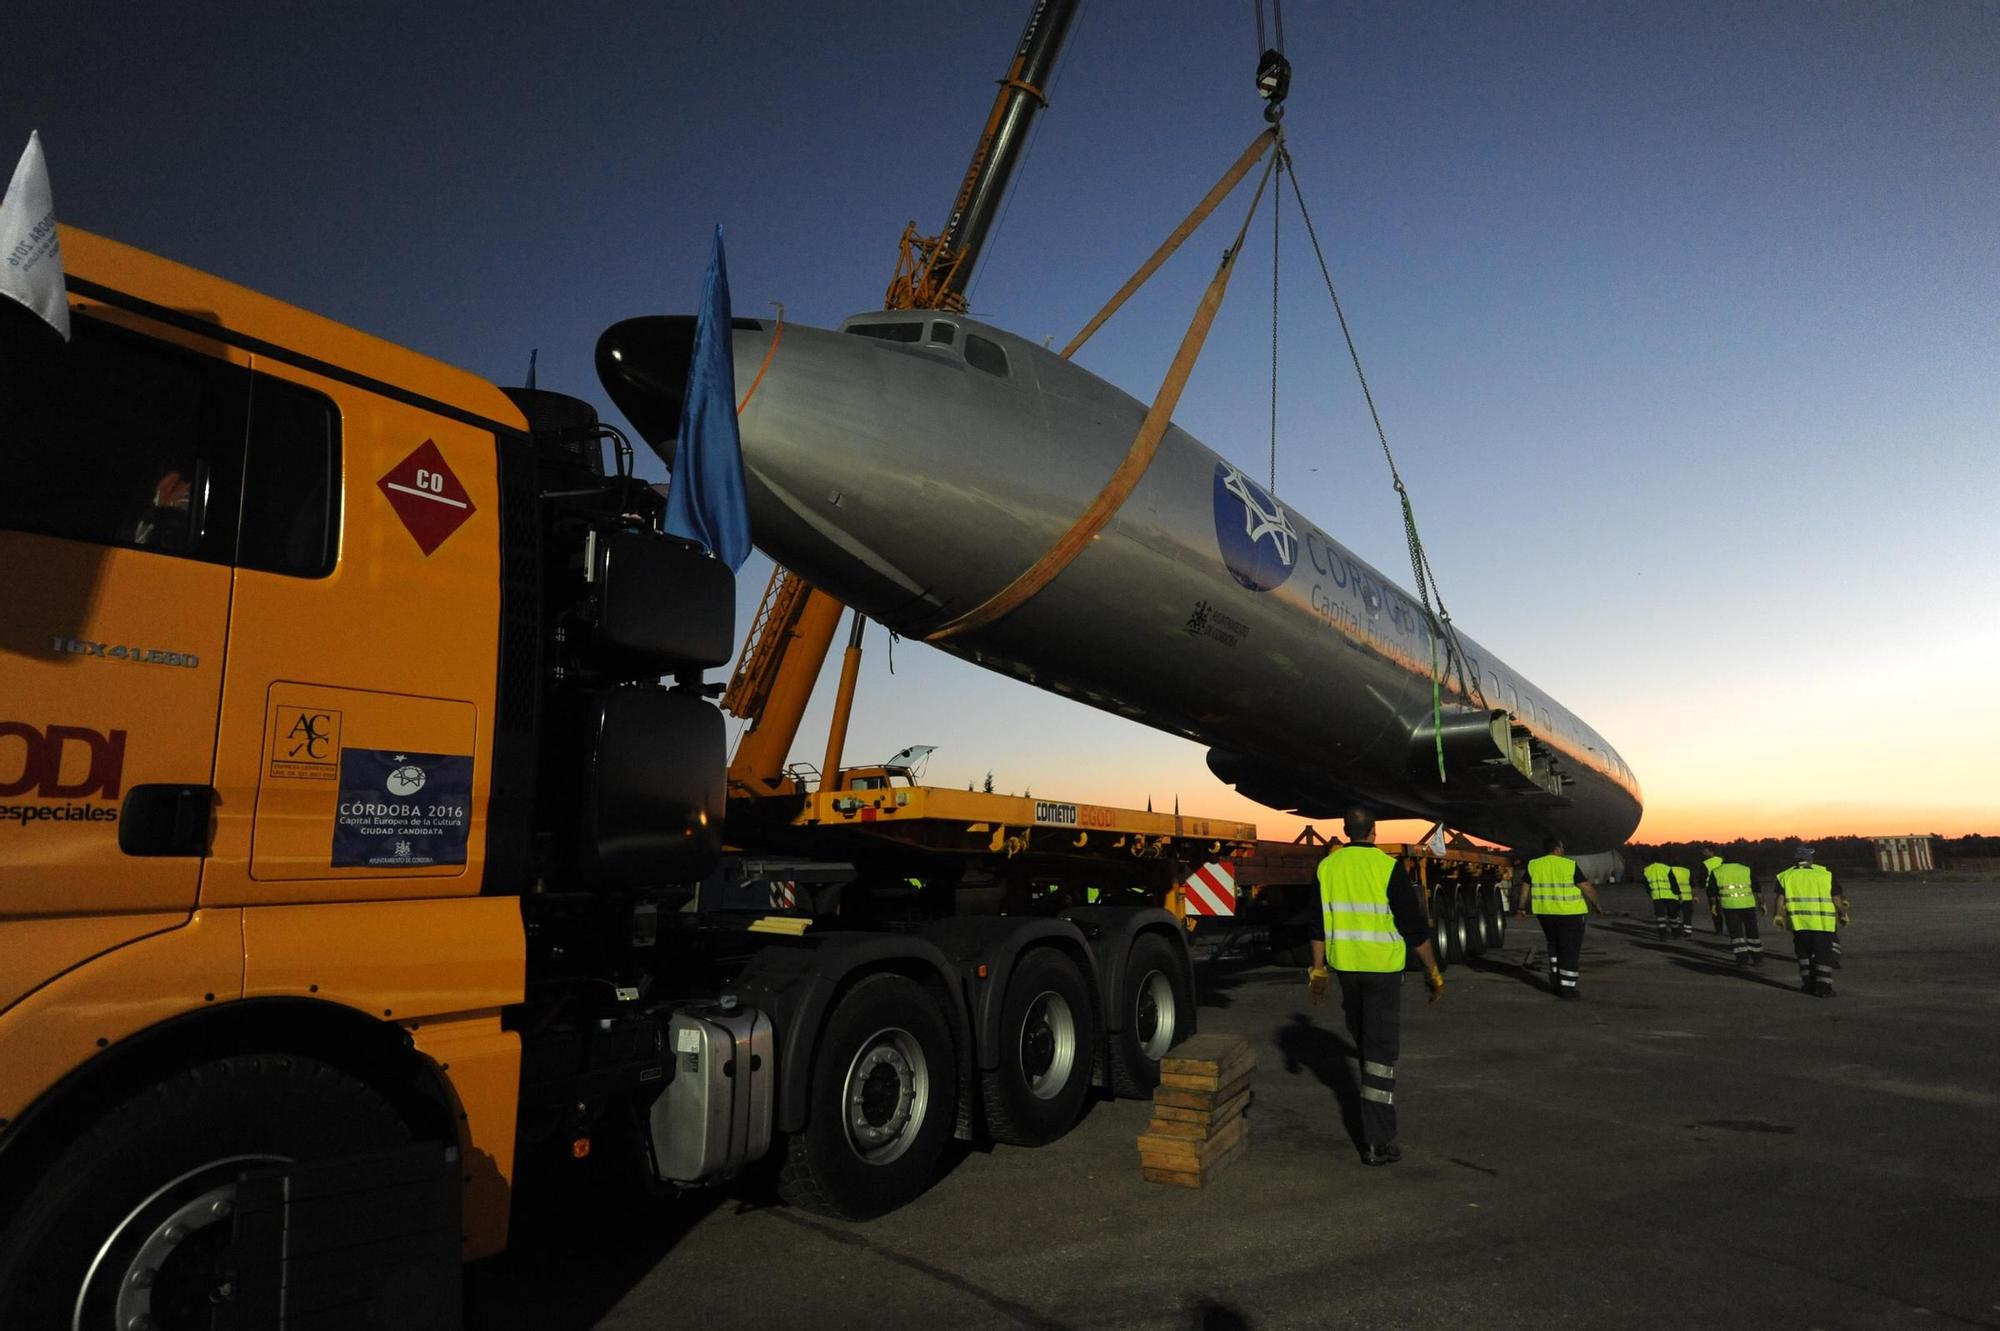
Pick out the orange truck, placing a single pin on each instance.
(358, 774)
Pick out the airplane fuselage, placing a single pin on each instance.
(913, 463)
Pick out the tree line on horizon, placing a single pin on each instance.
(1767, 855)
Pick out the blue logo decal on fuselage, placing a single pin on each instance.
(1258, 543)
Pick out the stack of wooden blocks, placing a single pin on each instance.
(1198, 1125)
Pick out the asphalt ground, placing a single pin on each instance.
(1689, 1146)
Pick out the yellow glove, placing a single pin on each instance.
(1434, 981)
(1316, 980)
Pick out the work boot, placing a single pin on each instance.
(1381, 1155)
(1824, 991)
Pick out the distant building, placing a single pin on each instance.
(1903, 854)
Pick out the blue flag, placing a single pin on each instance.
(705, 501)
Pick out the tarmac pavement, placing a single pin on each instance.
(1689, 1146)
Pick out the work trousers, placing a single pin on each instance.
(1714, 913)
(1743, 936)
(1816, 960)
(1666, 916)
(1687, 917)
(1565, 937)
(1373, 1004)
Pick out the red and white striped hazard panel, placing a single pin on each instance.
(1211, 889)
(784, 896)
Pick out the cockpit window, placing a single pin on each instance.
(981, 354)
(943, 334)
(896, 332)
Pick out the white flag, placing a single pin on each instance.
(1437, 839)
(30, 253)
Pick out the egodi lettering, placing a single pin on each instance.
(94, 760)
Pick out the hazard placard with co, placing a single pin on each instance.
(427, 496)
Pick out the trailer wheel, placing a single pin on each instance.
(1157, 1004)
(1496, 919)
(1472, 909)
(130, 1225)
(1048, 1039)
(884, 1097)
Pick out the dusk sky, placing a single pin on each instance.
(1683, 318)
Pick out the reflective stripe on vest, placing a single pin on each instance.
(1552, 886)
(1809, 897)
(1660, 882)
(1732, 883)
(1360, 928)
(1684, 883)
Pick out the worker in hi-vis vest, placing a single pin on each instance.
(1371, 919)
(1557, 890)
(1666, 902)
(1684, 889)
(1736, 895)
(1807, 895)
(1709, 864)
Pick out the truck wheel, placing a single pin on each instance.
(1048, 1041)
(1157, 1003)
(130, 1225)
(1496, 919)
(884, 1097)
(1477, 939)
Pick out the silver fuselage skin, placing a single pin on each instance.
(912, 485)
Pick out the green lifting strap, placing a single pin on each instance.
(1420, 564)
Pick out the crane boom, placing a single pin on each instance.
(789, 638)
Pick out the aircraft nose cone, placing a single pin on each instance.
(643, 365)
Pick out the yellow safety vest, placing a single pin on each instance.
(1732, 882)
(1552, 888)
(1354, 910)
(1684, 883)
(1808, 897)
(1660, 881)
(1712, 863)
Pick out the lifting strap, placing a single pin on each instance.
(1420, 563)
(1140, 455)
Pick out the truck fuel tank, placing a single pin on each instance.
(715, 1115)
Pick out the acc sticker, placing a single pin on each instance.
(305, 743)
(402, 810)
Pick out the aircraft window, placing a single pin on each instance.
(119, 439)
(1492, 687)
(943, 334)
(898, 332)
(981, 354)
(1513, 703)
(291, 481)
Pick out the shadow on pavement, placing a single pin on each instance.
(1750, 974)
(1304, 1044)
(1490, 964)
(575, 1252)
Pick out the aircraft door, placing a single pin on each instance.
(117, 524)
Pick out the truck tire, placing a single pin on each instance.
(1156, 1001)
(884, 1098)
(1473, 906)
(1048, 1042)
(1495, 904)
(129, 1225)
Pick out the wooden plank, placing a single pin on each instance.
(1204, 1051)
(1219, 1113)
(1201, 1128)
(1210, 1065)
(1189, 1153)
(1196, 1178)
(1183, 1097)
